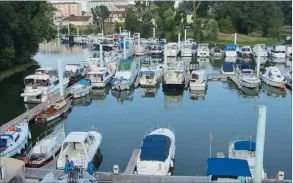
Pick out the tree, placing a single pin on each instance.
(100, 14)
(131, 20)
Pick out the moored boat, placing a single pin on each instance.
(198, 80)
(273, 77)
(80, 148)
(174, 77)
(14, 139)
(81, 89)
(228, 68)
(247, 76)
(100, 77)
(46, 149)
(74, 72)
(157, 153)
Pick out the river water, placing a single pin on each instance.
(124, 118)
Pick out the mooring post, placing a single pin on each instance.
(258, 61)
(60, 73)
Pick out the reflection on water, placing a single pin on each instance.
(150, 92)
(273, 91)
(83, 101)
(124, 95)
(173, 97)
(197, 95)
(249, 92)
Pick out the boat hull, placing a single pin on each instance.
(44, 162)
(81, 93)
(197, 86)
(273, 83)
(173, 86)
(247, 84)
(55, 116)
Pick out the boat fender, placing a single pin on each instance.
(172, 164)
(26, 160)
(29, 135)
(18, 151)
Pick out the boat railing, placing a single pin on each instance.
(242, 138)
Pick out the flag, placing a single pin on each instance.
(211, 136)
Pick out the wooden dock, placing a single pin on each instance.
(235, 80)
(33, 112)
(132, 162)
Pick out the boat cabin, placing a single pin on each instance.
(97, 75)
(36, 80)
(147, 74)
(228, 170)
(47, 70)
(197, 75)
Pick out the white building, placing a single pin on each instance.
(78, 20)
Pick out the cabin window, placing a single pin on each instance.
(194, 76)
(16, 138)
(56, 82)
(149, 76)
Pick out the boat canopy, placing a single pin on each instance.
(244, 65)
(76, 137)
(230, 47)
(228, 67)
(245, 145)
(227, 167)
(125, 64)
(84, 82)
(155, 148)
(148, 72)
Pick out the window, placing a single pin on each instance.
(56, 82)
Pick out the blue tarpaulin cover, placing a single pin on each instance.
(228, 67)
(155, 148)
(230, 47)
(122, 44)
(226, 167)
(244, 65)
(149, 72)
(245, 145)
(84, 82)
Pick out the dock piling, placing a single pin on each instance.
(165, 57)
(138, 43)
(101, 54)
(184, 35)
(124, 48)
(260, 140)
(235, 38)
(120, 30)
(154, 32)
(60, 72)
(178, 40)
(258, 61)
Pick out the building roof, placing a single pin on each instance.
(226, 167)
(77, 18)
(64, 3)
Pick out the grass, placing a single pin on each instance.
(241, 39)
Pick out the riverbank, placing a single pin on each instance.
(18, 68)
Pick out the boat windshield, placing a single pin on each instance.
(37, 156)
(245, 49)
(217, 50)
(274, 51)
(194, 76)
(38, 82)
(247, 72)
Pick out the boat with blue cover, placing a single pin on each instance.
(245, 150)
(157, 153)
(228, 170)
(230, 50)
(14, 139)
(228, 68)
(81, 89)
(125, 75)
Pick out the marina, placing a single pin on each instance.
(176, 103)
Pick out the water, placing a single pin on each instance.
(224, 111)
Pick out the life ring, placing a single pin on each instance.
(26, 160)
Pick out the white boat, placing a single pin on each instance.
(144, 41)
(14, 139)
(203, 50)
(228, 170)
(99, 77)
(230, 50)
(157, 153)
(278, 51)
(197, 81)
(74, 72)
(80, 147)
(273, 77)
(41, 84)
(228, 68)
(186, 50)
(81, 89)
(156, 50)
(247, 76)
(149, 77)
(245, 150)
(174, 77)
(110, 57)
(76, 175)
(46, 149)
(245, 52)
(216, 52)
(126, 74)
(140, 51)
(289, 51)
(263, 50)
(172, 50)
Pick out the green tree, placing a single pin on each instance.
(100, 14)
(131, 20)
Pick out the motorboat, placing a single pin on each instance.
(230, 50)
(198, 80)
(149, 77)
(278, 51)
(288, 76)
(289, 51)
(76, 175)
(262, 52)
(171, 49)
(156, 51)
(110, 57)
(245, 52)
(203, 50)
(273, 77)
(157, 153)
(42, 83)
(46, 149)
(216, 52)
(228, 68)
(54, 110)
(100, 77)
(80, 148)
(74, 72)
(81, 89)
(140, 51)
(186, 50)
(174, 77)
(14, 139)
(144, 41)
(245, 150)
(224, 170)
(125, 75)
(247, 76)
